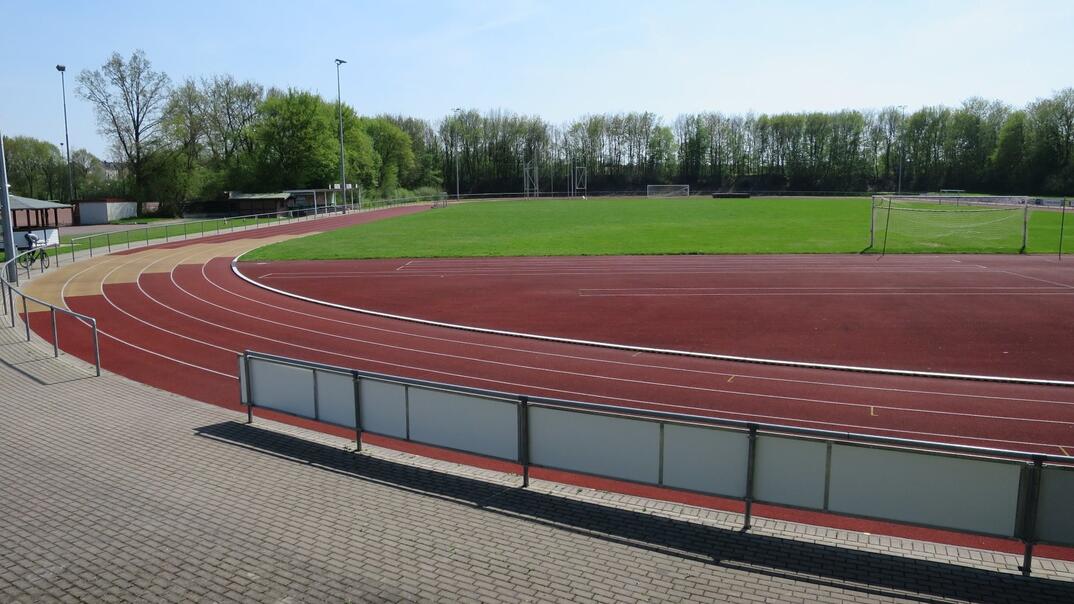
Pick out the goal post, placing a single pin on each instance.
(667, 191)
(909, 226)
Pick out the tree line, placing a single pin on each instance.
(196, 139)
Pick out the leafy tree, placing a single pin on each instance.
(393, 146)
(34, 167)
(129, 98)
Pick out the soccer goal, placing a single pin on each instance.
(903, 225)
(667, 191)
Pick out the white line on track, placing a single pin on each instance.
(738, 372)
(598, 377)
(603, 377)
(107, 334)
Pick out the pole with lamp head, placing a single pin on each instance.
(457, 111)
(339, 108)
(5, 209)
(66, 137)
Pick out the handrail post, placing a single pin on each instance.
(1029, 515)
(108, 241)
(249, 389)
(96, 347)
(524, 438)
(357, 380)
(55, 333)
(11, 303)
(147, 236)
(3, 292)
(25, 316)
(751, 455)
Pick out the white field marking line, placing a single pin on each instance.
(1055, 283)
(595, 377)
(723, 357)
(523, 274)
(841, 260)
(821, 294)
(885, 287)
(626, 363)
(106, 334)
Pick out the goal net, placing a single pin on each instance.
(901, 225)
(667, 191)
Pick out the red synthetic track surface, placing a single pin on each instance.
(991, 315)
(181, 331)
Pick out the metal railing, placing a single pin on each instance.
(14, 271)
(743, 460)
(9, 271)
(145, 235)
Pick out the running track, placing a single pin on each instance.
(175, 316)
(992, 315)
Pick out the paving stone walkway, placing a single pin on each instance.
(114, 491)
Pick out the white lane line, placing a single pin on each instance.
(593, 395)
(595, 377)
(109, 335)
(684, 353)
(633, 364)
(582, 294)
(584, 273)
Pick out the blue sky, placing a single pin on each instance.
(556, 59)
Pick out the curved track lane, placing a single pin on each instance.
(175, 316)
(175, 310)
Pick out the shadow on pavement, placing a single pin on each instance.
(866, 573)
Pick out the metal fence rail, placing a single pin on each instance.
(12, 272)
(141, 236)
(979, 490)
(9, 281)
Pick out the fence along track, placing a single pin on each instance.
(977, 490)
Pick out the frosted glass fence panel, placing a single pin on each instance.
(282, 387)
(595, 444)
(935, 490)
(790, 471)
(705, 460)
(383, 407)
(467, 423)
(1055, 516)
(335, 398)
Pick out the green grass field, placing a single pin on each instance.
(646, 226)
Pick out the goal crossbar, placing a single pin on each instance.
(667, 191)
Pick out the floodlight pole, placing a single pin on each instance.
(1062, 225)
(66, 136)
(457, 111)
(339, 108)
(5, 208)
(902, 152)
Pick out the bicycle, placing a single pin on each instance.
(34, 255)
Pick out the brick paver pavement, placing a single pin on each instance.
(111, 491)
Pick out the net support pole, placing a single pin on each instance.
(887, 229)
(1025, 227)
(1062, 225)
(872, 223)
